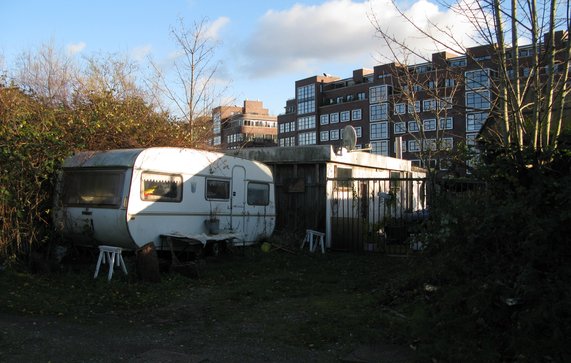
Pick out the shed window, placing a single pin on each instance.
(258, 193)
(217, 189)
(343, 176)
(156, 187)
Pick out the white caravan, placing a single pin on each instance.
(128, 198)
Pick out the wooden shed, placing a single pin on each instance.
(309, 183)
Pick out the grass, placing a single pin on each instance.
(315, 301)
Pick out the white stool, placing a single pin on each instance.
(314, 239)
(111, 255)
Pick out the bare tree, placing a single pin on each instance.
(194, 90)
(110, 74)
(47, 74)
(527, 70)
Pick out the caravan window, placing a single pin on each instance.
(258, 193)
(217, 189)
(157, 187)
(92, 187)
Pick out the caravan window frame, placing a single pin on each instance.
(211, 194)
(156, 196)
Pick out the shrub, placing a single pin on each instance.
(499, 262)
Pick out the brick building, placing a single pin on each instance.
(236, 127)
(430, 108)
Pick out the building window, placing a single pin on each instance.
(429, 105)
(478, 99)
(281, 128)
(458, 62)
(400, 108)
(413, 126)
(305, 107)
(476, 79)
(217, 140)
(306, 99)
(423, 68)
(449, 82)
(379, 94)
(445, 103)
(287, 141)
(379, 130)
(324, 119)
(356, 114)
(446, 123)
(471, 140)
(446, 143)
(307, 138)
(432, 84)
(413, 146)
(305, 123)
(359, 131)
(429, 144)
(416, 88)
(429, 124)
(361, 96)
(216, 123)
(379, 112)
(414, 107)
(334, 134)
(345, 116)
(400, 127)
(324, 136)
(334, 118)
(475, 121)
(233, 138)
(289, 126)
(380, 147)
(525, 52)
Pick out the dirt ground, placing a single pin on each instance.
(189, 330)
(120, 339)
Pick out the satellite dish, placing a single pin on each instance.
(349, 137)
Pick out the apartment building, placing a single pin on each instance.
(429, 109)
(250, 125)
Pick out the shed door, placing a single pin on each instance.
(238, 198)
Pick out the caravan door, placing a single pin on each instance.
(238, 200)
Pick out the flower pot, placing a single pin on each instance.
(212, 226)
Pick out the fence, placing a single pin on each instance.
(377, 214)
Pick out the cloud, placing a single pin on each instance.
(75, 48)
(139, 53)
(216, 26)
(340, 31)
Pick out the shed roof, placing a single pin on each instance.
(321, 154)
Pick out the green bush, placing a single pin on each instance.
(499, 272)
(36, 136)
